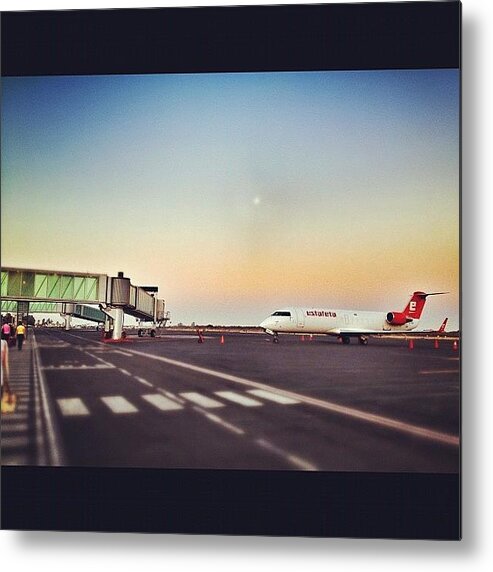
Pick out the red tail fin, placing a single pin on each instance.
(417, 303)
(442, 327)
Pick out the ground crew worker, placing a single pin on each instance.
(20, 334)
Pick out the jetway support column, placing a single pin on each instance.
(67, 321)
(114, 320)
(118, 316)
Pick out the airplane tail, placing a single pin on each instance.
(442, 327)
(416, 304)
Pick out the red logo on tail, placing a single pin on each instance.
(417, 303)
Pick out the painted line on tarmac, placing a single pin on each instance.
(171, 396)
(77, 367)
(215, 419)
(379, 420)
(106, 363)
(72, 406)
(434, 371)
(282, 399)
(293, 459)
(238, 398)
(118, 404)
(162, 403)
(202, 400)
(143, 381)
(55, 448)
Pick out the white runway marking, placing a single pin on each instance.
(144, 381)
(238, 398)
(51, 451)
(224, 424)
(301, 463)
(107, 363)
(433, 371)
(122, 353)
(161, 402)
(372, 418)
(272, 396)
(293, 459)
(78, 367)
(202, 400)
(125, 372)
(118, 404)
(72, 406)
(172, 396)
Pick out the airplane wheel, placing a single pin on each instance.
(140, 333)
(275, 340)
(346, 339)
(363, 341)
(153, 333)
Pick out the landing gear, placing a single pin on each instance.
(345, 339)
(363, 341)
(275, 339)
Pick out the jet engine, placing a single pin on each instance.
(397, 318)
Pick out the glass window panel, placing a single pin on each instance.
(27, 286)
(40, 285)
(67, 287)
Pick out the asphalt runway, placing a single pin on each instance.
(170, 402)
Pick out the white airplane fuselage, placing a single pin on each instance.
(332, 322)
(346, 323)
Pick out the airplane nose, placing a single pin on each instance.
(266, 324)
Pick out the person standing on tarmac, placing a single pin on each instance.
(20, 335)
(6, 331)
(5, 366)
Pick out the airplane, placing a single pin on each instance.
(346, 323)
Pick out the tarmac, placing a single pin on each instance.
(235, 401)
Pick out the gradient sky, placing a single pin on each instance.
(238, 194)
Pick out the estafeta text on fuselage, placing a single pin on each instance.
(321, 313)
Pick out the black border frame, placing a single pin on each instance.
(398, 35)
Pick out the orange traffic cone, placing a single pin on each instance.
(436, 345)
(411, 344)
(222, 340)
(455, 346)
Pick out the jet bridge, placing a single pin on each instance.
(76, 310)
(115, 296)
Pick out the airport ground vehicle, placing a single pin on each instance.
(147, 330)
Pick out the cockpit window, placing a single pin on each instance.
(281, 314)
